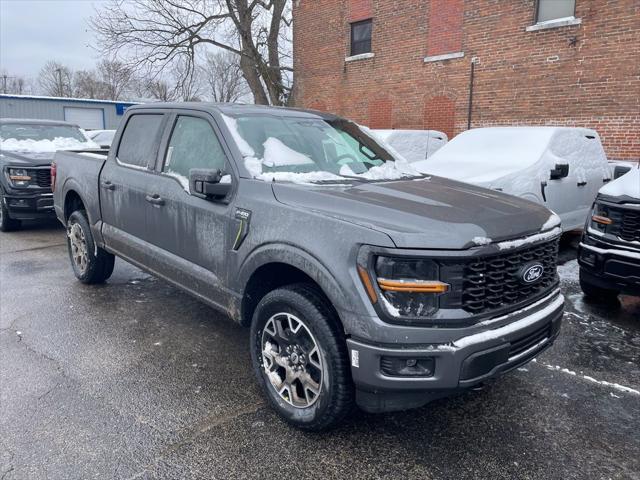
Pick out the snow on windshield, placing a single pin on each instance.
(45, 146)
(628, 184)
(291, 165)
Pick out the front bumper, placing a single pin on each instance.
(29, 206)
(610, 266)
(466, 360)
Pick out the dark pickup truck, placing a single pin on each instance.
(362, 280)
(26, 150)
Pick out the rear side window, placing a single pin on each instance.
(193, 144)
(140, 139)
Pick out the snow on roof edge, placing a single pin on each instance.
(66, 99)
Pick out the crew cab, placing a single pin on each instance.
(26, 150)
(609, 254)
(561, 168)
(361, 280)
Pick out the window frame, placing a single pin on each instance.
(166, 139)
(352, 25)
(537, 13)
(117, 140)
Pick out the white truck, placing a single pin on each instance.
(561, 168)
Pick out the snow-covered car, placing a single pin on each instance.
(26, 150)
(609, 254)
(561, 168)
(104, 138)
(414, 145)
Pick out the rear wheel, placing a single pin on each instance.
(596, 292)
(7, 223)
(300, 358)
(91, 264)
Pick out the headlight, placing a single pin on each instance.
(600, 218)
(410, 287)
(19, 177)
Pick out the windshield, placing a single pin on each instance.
(300, 149)
(32, 137)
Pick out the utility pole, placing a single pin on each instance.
(60, 86)
(4, 83)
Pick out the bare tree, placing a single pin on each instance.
(222, 73)
(13, 84)
(115, 77)
(87, 84)
(56, 79)
(160, 90)
(156, 34)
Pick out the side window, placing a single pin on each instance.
(193, 144)
(140, 139)
(361, 37)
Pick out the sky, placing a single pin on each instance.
(35, 31)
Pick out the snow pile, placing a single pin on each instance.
(277, 154)
(414, 145)
(481, 240)
(553, 221)
(45, 146)
(532, 239)
(628, 184)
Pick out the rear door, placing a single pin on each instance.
(124, 186)
(191, 234)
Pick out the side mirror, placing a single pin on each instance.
(206, 183)
(620, 170)
(561, 171)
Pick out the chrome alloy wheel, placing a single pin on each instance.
(291, 360)
(78, 244)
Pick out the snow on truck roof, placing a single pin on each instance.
(485, 154)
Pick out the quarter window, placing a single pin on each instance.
(554, 9)
(361, 37)
(193, 144)
(140, 140)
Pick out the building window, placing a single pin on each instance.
(361, 37)
(554, 9)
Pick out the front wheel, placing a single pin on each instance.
(90, 263)
(7, 224)
(300, 358)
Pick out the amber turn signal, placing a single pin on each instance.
(20, 178)
(416, 286)
(366, 280)
(602, 220)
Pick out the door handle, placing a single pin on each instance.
(108, 185)
(582, 184)
(155, 199)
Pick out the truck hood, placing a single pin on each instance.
(28, 159)
(426, 213)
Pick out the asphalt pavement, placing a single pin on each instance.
(135, 379)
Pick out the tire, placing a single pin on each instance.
(303, 311)
(90, 264)
(7, 224)
(596, 292)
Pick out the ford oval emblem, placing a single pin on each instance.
(531, 273)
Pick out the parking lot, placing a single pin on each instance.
(134, 379)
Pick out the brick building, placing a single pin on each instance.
(408, 64)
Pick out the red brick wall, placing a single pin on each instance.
(360, 10)
(584, 75)
(444, 34)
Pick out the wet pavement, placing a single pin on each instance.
(134, 379)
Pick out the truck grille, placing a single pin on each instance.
(493, 282)
(626, 224)
(43, 177)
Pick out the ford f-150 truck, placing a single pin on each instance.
(609, 254)
(26, 150)
(362, 280)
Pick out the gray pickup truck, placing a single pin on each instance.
(362, 281)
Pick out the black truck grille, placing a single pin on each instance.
(43, 177)
(493, 282)
(525, 343)
(626, 224)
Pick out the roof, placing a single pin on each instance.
(65, 99)
(236, 109)
(35, 121)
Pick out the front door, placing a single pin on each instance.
(191, 233)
